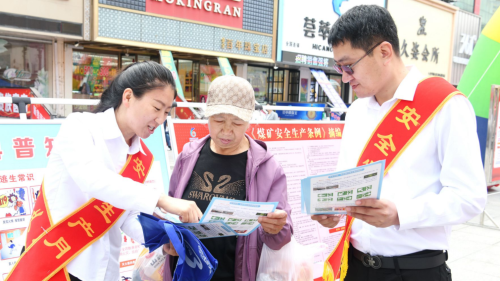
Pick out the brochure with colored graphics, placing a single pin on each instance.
(226, 217)
(331, 193)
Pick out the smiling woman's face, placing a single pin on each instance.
(144, 115)
(227, 132)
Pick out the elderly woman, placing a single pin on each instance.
(228, 163)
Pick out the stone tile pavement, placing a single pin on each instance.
(475, 251)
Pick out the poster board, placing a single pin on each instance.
(303, 149)
(25, 147)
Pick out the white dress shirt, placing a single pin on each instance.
(437, 182)
(88, 154)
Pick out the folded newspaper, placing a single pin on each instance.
(331, 193)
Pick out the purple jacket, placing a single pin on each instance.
(265, 182)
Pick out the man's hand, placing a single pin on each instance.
(329, 221)
(169, 249)
(274, 222)
(379, 213)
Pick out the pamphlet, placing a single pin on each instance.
(225, 217)
(331, 193)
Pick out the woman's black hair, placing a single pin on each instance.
(141, 77)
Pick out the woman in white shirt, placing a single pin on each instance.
(90, 151)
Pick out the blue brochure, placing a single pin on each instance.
(240, 216)
(331, 193)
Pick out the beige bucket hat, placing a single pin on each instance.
(231, 94)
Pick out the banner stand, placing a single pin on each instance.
(492, 155)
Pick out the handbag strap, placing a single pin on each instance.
(177, 242)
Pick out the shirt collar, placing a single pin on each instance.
(405, 90)
(112, 131)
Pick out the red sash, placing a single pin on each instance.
(395, 132)
(50, 247)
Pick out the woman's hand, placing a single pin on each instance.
(169, 249)
(186, 210)
(273, 222)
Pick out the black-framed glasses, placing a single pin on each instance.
(348, 68)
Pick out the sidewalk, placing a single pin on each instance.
(475, 251)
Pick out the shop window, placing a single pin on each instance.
(336, 82)
(207, 74)
(141, 58)
(127, 60)
(185, 69)
(26, 64)
(466, 5)
(92, 73)
(276, 86)
(293, 86)
(257, 76)
(486, 10)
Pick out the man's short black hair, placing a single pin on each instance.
(364, 26)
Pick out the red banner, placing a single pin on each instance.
(9, 109)
(39, 112)
(222, 12)
(186, 132)
(36, 111)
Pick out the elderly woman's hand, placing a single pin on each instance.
(274, 222)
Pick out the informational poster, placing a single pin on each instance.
(25, 148)
(303, 149)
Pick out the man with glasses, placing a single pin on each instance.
(425, 130)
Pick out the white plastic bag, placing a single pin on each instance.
(293, 262)
(149, 266)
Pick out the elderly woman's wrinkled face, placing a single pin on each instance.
(227, 131)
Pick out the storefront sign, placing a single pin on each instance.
(250, 47)
(425, 31)
(307, 59)
(221, 12)
(304, 29)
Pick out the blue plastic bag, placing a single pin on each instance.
(195, 261)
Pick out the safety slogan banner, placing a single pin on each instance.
(25, 147)
(303, 149)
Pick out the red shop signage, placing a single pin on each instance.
(35, 111)
(9, 109)
(221, 12)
